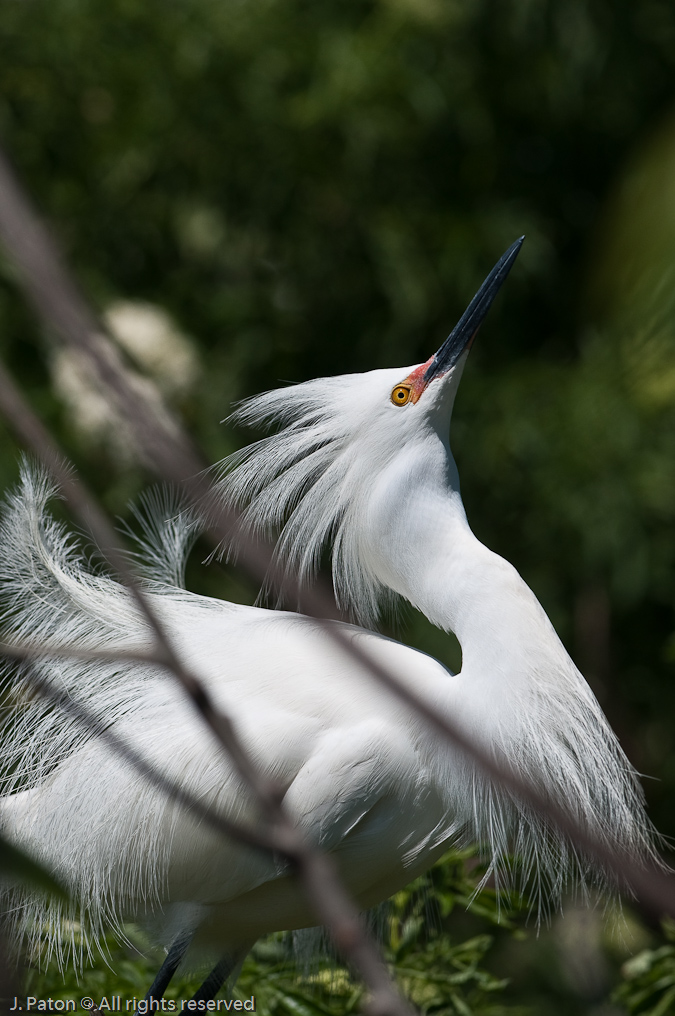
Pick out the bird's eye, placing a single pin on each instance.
(400, 395)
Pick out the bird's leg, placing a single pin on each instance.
(169, 966)
(216, 978)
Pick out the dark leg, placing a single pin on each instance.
(169, 966)
(216, 979)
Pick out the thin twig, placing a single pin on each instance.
(65, 313)
(20, 651)
(333, 906)
(652, 887)
(252, 836)
(32, 432)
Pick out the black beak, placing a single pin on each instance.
(464, 331)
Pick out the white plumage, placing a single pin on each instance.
(375, 480)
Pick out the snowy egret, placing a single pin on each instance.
(362, 461)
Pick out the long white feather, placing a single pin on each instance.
(125, 851)
(309, 483)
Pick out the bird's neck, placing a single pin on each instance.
(518, 691)
(485, 602)
(437, 563)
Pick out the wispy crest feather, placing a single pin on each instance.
(308, 483)
(164, 535)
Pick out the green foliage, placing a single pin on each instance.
(438, 972)
(127, 969)
(648, 980)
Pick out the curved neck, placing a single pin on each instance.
(436, 562)
(518, 692)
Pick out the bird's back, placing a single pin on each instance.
(358, 773)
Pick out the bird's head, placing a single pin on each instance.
(434, 383)
(351, 451)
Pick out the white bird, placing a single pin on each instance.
(362, 462)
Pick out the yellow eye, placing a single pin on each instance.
(400, 395)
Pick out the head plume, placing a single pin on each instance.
(311, 482)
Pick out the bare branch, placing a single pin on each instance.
(15, 409)
(20, 651)
(61, 307)
(258, 838)
(653, 889)
(59, 303)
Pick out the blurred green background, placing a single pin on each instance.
(257, 191)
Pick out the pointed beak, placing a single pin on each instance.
(464, 332)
